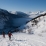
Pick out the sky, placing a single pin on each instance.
(23, 5)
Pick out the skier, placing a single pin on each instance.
(9, 34)
(3, 33)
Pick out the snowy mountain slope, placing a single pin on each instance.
(19, 14)
(22, 39)
(36, 28)
(36, 31)
(9, 21)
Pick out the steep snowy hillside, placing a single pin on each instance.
(37, 26)
(34, 32)
(9, 21)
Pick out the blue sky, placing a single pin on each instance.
(23, 5)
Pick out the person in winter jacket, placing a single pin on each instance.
(9, 34)
(3, 33)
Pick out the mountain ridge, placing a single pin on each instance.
(9, 21)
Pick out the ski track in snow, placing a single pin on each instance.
(21, 42)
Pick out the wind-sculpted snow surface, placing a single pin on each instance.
(22, 39)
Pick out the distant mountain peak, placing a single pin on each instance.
(38, 12)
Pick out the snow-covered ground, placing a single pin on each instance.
(38, 38)
(33, 35)
(23, 39)
(40, 28)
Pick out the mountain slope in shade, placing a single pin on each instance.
(9, 21)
